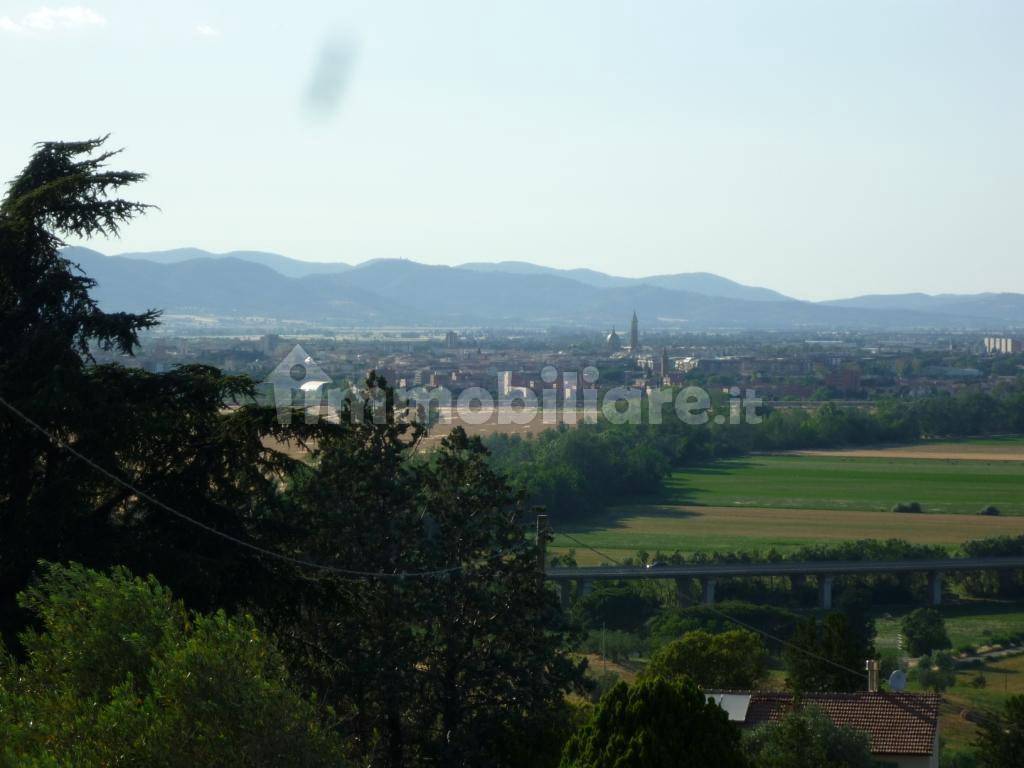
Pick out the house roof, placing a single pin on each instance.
(895, 723)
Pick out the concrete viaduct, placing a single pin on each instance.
(824, 571)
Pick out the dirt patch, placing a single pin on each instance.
(944, 451)
(626, 670)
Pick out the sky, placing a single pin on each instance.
(823, 149)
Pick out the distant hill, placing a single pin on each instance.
(398, 291)
(1001, 307)
(222, 286)
(277, 262)
(694, 282)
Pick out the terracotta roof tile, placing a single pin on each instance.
(896, 723)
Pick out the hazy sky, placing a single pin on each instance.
(820, 148)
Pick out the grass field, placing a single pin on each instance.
(968, 623)
(861, 484)
(1003, 678)
(784, 501)
(625, 531)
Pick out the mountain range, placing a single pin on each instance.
(257, 287)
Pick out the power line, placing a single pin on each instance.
(344, 572)
(734, 620)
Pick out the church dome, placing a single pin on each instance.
(612, 340)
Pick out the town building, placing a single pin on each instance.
(902, 728)
(1001, 345)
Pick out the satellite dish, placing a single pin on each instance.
(898, 680)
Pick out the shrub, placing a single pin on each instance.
(936, 672)
(602, 683)
(622, 607)
(119, 673)
(806, 738)
(889, 662)
(673, 623)
(613, 644)
(990, 510)
(907, 506)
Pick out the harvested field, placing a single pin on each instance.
(990, 449)
(625, 531)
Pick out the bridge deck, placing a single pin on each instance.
(787, 568)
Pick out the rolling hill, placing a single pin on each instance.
(257, 286)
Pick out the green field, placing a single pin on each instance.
(785, 501)
(969, 623)
(822, 482)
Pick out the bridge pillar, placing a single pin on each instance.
(825, 592)
(707, 590)
(564, 594)
(935, 588)
(682, 592)
(586, 587)
(1005, 582)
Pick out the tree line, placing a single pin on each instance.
(575, 472)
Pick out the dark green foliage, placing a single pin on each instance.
(435, 671)
(574, 472)
(673, 623)
(613, 644)
(656, 724)
(1001, 737)
(622, 606)
(924, 631)
(736, 659)
(826, 656)
(907, 506)
(601, 682)
(808, 739)
(990, 511)
(855, 604)
(165, 434)
(998, 583)
(120, 673)
(936, 672)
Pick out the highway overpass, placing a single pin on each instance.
(797, 571)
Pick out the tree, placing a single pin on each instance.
(807, 738)
(855, 604)
(734, 659)
(672, 623)
(168, 435)
(825, 656)
(656, 723)
(1001, 736)
(936, 672)
(624, 607)
(121, 673)
(924, 631)
(439, 669)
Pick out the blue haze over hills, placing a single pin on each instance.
(255, 284)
